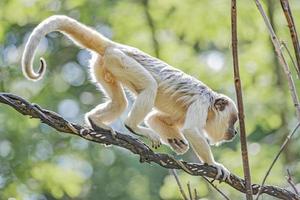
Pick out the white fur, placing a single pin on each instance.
(185, 108)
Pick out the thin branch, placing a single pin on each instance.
(189, 190)
(211, 183)
(290, 20)
(281, 59)
(286, 69)
(290, 55)
(279, 82)
(288, 138)
(291, 182)
(151, 25)
(4, 72)
(239, 95)
(135, 146)
(196, 194)
(173, 171)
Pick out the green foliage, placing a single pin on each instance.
(36, 162)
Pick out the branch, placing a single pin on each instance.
(291, 182)
(151, 25)
(239, 96)
(290, 55)
(281, 59)
(215, 187)
(173, 171)
(286, 69)
(288, 138)
(189, 190)
(289, 18)
(196, 194)
(134, 145)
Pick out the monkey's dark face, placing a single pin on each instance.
(221, 121)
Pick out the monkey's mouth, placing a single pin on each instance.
(230, 134)
(228, 139)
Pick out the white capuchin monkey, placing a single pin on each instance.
(177, 108)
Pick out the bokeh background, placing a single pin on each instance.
(37, 162)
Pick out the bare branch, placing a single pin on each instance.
(290, 55)
(286, 69)
(290, 20)
(134, 145)
(291, 182)
(151, 25)
(277, 156)
(239, 96)
(196, 194)
(173, 171)
(189, 190)
(216, 188)
(281, 59)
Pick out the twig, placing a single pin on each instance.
(135, 146)
(277, 156)
(281, 59)
(211, 183)
(286, 69)
(173, 171)
(189, 190)
(152, 27)
(289, 18)
(196, 194)
(291, 182)
(290, 55)
(239, 95)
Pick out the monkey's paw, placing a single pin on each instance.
(99, 125)
(155, 140)
(221, 170)
(146, 132)
(179, 145)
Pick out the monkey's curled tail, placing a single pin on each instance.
(79, 33)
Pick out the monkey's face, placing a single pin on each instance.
(231, 131)
(220, 125)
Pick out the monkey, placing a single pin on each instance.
(177, 109)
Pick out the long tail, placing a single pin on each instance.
(79, 33)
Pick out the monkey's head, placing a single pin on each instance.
(221, 119)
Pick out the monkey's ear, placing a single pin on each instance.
(221, 103)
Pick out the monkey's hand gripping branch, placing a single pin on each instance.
(134, 145)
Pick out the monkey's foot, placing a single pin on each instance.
(155, 140)
(179, 145)
(146, 132)
(221, 170)
(99, 125)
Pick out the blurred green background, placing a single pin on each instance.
(37, 162)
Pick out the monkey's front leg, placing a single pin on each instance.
(193, 131)
(166, 127)
(203, 151)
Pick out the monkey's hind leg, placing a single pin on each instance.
(146, 88)
(107, 112)
(166, 127)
